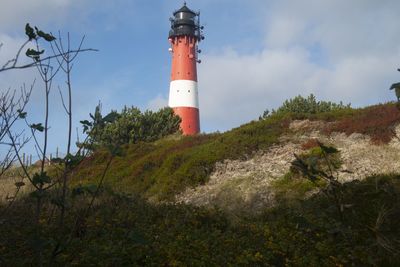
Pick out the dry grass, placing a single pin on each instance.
(8, 187)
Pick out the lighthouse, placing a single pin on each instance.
(184, 36)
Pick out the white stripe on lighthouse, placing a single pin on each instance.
(183, 93)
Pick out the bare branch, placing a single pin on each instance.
(14, 60)
(34, 64)
(62, 100)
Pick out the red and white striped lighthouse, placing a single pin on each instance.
(184, 36)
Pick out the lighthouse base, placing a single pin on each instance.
(190, 124)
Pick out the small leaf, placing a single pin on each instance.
(33, 53)
(86, 125)
(37, 126)
(29, 32)
(86, 122)
(46, 36)
(41, 178)
(111, 117)
(21, 114)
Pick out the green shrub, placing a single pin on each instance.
(130, 126)
(309, 105)
(163, 168)
(125, 230)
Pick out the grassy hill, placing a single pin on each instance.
(124, 228)
(164, 168)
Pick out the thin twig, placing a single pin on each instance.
(33, 64)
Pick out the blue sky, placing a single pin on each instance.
(256, 54)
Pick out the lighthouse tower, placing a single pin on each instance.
(184, 36)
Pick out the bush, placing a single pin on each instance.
(131, 126)
(309, 105)
(125, 230)
(164, 168)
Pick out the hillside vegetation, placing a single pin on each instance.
(316, 220)
(164, 168)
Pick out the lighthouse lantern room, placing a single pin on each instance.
(184, 36)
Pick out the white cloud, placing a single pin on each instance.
(157, 103)
(237, 88)
(16, 78)
(343, 28)
(15, 14)
(338, 50)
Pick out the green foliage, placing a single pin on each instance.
(163, 168)
(84, 189)
(21, 114)
(124, 230)
(37, 126)
(291, 188)
(309, 105)
(130, 126)
(35, 35)
(396, 87)
(318, 163)
(321, 163)
(30, 32)
(40, 179)
(33, 53)
(48, 37)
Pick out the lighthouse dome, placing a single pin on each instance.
(184, 22)
(184, 12)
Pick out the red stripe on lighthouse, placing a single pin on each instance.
(191, 119)
(184, 58)
(183, 96)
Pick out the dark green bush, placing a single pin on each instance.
(124, 230)
(309, 105)
(131, 126)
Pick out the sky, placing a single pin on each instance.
(256, 54)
